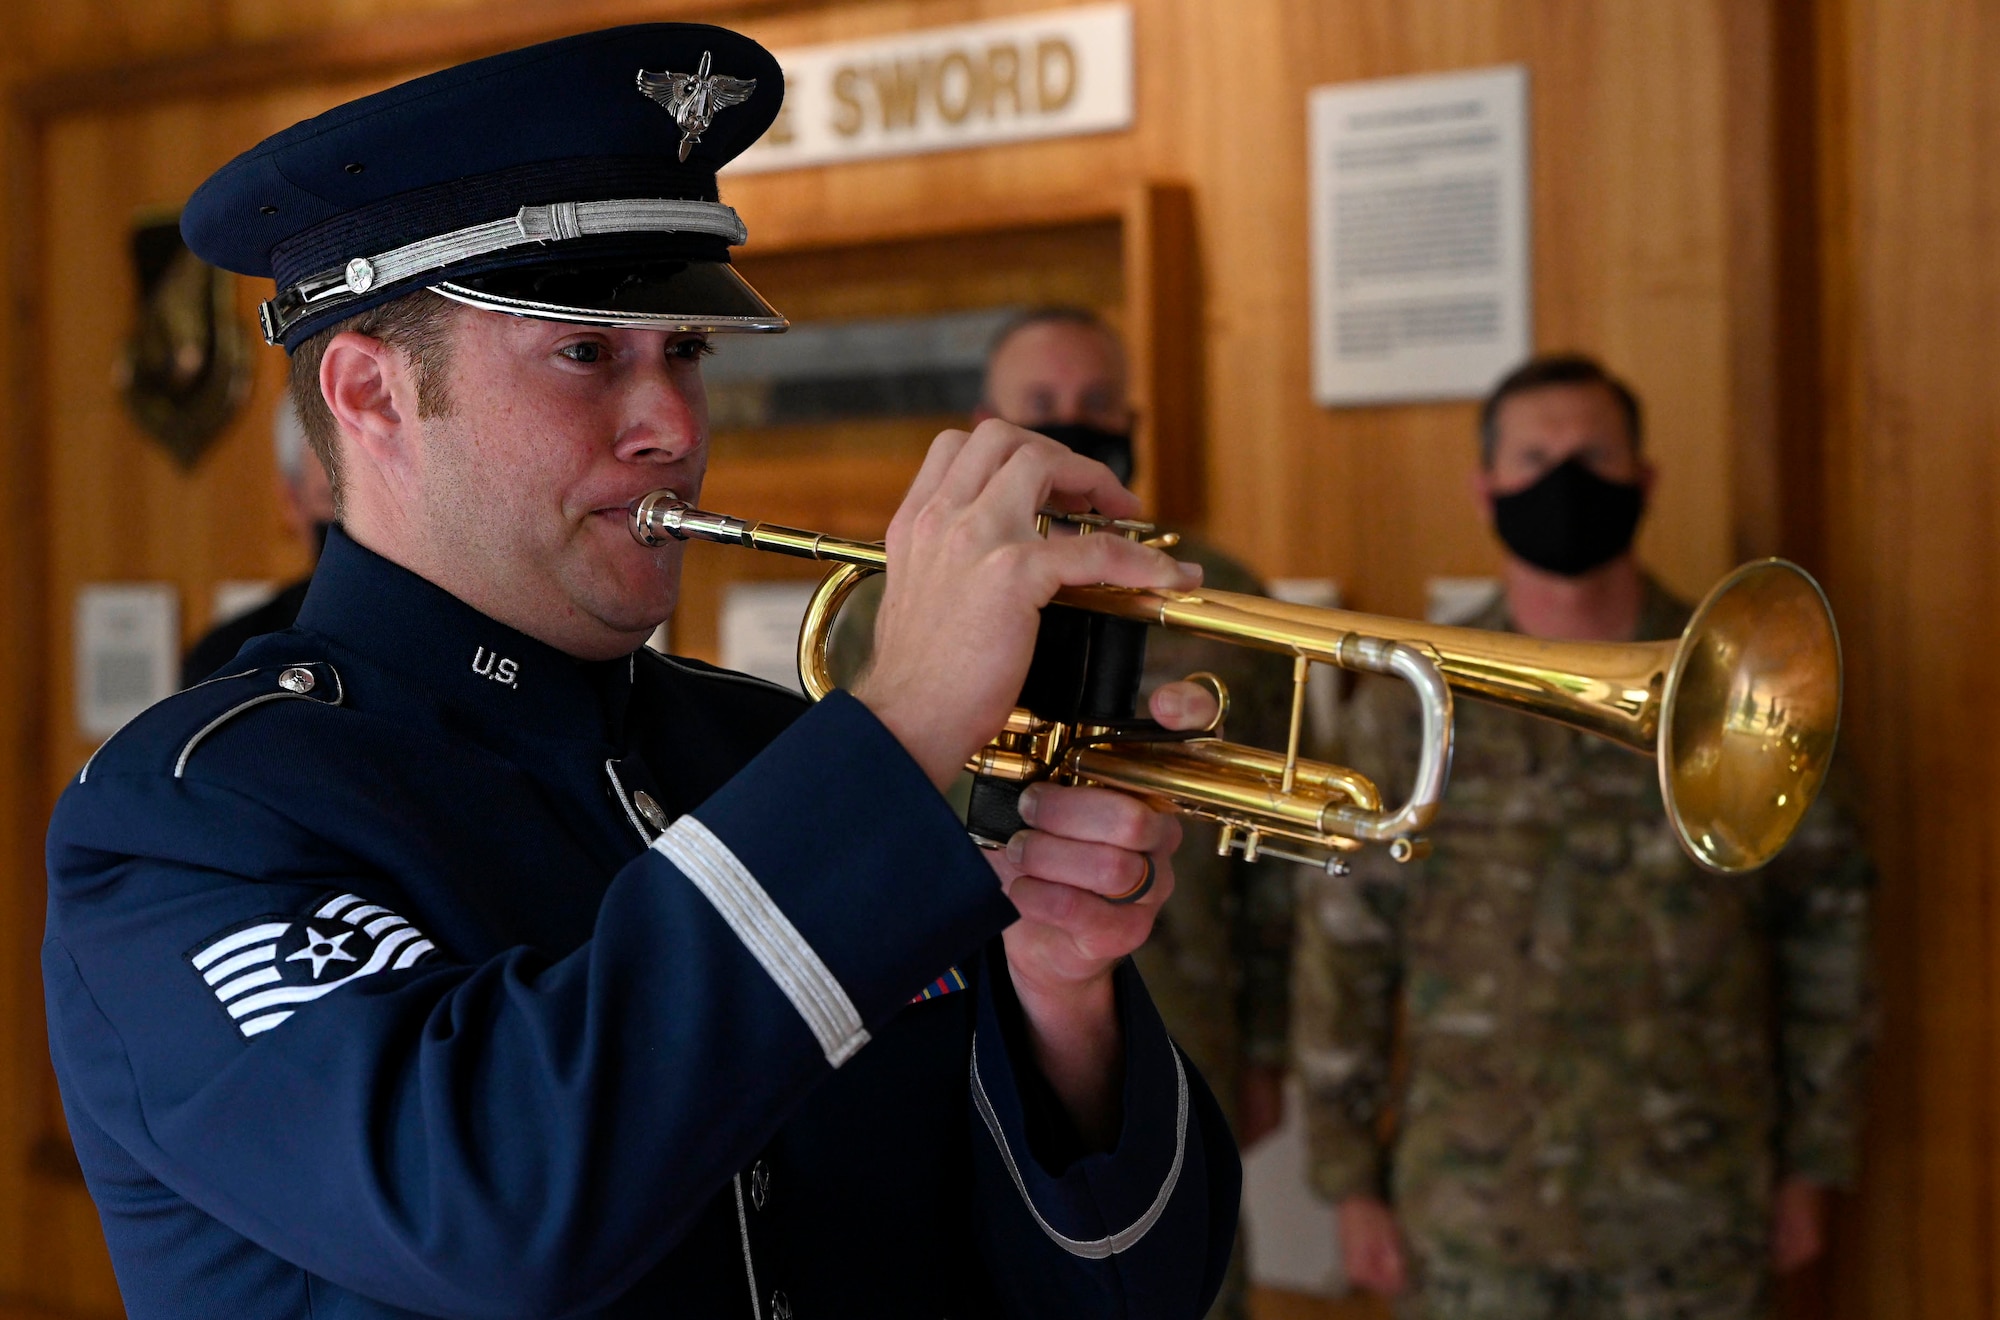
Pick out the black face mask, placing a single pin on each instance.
(1570, 521)
(1111, 448)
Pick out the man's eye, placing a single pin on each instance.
(690, 350)
(583, 351)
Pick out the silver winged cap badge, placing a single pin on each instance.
(693, 98)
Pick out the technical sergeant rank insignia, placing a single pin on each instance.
(261, 971)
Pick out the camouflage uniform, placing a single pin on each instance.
(1225, 939)
(1608, 1054)
(1219, 960)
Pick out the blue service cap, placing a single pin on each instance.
(573, 180)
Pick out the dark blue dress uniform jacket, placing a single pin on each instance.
(377, 988)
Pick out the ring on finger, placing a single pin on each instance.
(1138, 891)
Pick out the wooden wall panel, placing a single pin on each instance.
(1658, 132)
(1632, 251)
(187, 527)
(97, 501)
(1911, 208)
(1631, 243)
(23, 1053)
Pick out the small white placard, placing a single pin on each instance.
(760, 629)
(1420, 235)
(974, 84)
(236, 597)
(1294, 1237)
(127, 652)
(1458, 600)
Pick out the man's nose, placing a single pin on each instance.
(661, 423)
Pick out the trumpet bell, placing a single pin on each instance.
(1750, 715)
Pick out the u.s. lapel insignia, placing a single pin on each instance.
(693, 98)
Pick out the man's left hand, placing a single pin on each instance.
(1798, 1224)
(1083, 846)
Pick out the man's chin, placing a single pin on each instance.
(625, 588)
(634, 615)
(635, 612)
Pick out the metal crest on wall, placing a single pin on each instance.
(186, 367)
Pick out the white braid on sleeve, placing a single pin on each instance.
(1125, 1239)
(768, 934)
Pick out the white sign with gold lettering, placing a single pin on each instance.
(1031, 76)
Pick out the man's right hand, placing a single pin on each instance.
(968, 576)
(1371, 1246)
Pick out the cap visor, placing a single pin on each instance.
(674, 295)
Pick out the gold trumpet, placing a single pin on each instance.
(1741, 711)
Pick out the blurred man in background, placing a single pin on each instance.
(1625, 1083)
(306, 497)
(1219, 956)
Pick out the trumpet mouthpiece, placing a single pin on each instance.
(656, 518)
(663, 516)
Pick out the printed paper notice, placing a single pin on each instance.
(127, 652)
(760, 629)
(1420, 236)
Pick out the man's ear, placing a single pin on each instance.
(370, 390)
(1647, 475)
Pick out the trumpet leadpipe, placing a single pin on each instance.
(663, 516)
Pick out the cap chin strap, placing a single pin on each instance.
(531, 224)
